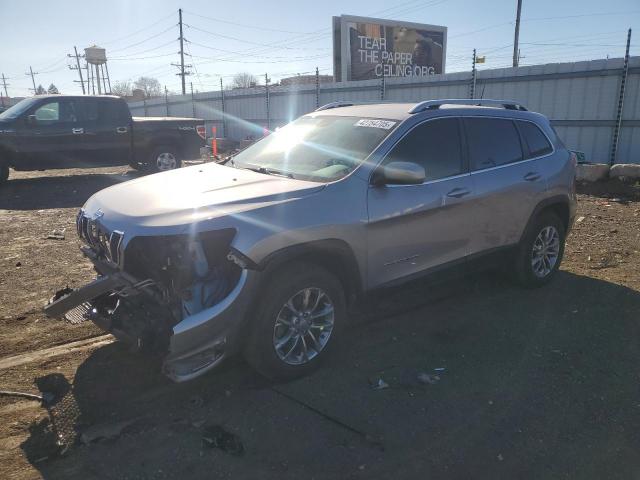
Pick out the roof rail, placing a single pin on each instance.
(480, 102)
(334, 105)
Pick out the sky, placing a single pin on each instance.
(286, 37)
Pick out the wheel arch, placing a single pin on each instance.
(559, 205)
(334, 255)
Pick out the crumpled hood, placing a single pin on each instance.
(189, 195)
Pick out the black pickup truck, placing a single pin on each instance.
(60, 131)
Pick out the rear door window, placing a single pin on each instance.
(434, 145)
(492, 142)
(111, 112)
(535, 139)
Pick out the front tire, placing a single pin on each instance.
(164, 158)
(298, 322)
(540, 251)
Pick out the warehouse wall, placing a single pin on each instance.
(580, 98)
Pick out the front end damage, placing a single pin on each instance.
(179, 297)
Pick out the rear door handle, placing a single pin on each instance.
(121, 130)
(532, 176)
(458, 192)
(77, 131)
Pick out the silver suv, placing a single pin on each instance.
(265, 253)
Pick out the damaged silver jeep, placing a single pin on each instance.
(264, 253)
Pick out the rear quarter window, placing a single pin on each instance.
(492, 142)
(534, 138)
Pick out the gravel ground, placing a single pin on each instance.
(529, 384)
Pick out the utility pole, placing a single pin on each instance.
(182, 74)
(4, 83)
(71, 67)
(166, 99)
(472, 91)
(33, 78)
(516, 51)
(623, 81)
(266, 86)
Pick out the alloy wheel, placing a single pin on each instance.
(166, 161)
(545, 252)
(303, 326)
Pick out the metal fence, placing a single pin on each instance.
(581, 99)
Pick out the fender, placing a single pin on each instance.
(334, 254)
(557, 200)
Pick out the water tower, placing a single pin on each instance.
(96, 58)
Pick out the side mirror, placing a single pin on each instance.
(32, 120)
(400, 173)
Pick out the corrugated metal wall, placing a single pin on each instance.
(580, 98)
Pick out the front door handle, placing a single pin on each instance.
(458, 192)
(121, 130)
(77, 131)
(532, 176)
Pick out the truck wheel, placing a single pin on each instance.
(163, 158)
(298, 321)
(4, 172)
(540, 251)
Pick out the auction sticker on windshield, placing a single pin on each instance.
(365, 122)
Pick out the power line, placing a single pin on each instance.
(138, 31)
(244, 25)
(242, 40)
(119, 57)
(145, 40)
(629, 12)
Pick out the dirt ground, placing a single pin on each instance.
(520, 383)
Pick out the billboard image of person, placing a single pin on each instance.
(377, 48)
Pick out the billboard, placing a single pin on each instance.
(366, 48)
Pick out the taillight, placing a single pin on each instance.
(201, 131)
(574, 158)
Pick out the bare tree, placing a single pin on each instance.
(149, 85)
(52, 90)
(244, 80)
(40, 90)
(122, 89)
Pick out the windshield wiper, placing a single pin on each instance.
(266, 170)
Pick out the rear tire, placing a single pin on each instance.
(4, 172)
(288, 337)
(540, 251)
(163, 158)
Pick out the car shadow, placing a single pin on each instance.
(47, 192)
(546, 358)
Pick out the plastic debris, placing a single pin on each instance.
(379, 384)
(215, 436)
(580, 219)
(500, 457)
(428, 378)
(56, 235)
(439, 369)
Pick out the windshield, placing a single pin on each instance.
(320, 149)
(18, 109)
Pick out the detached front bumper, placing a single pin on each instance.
(201, 341)
(195, 344)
